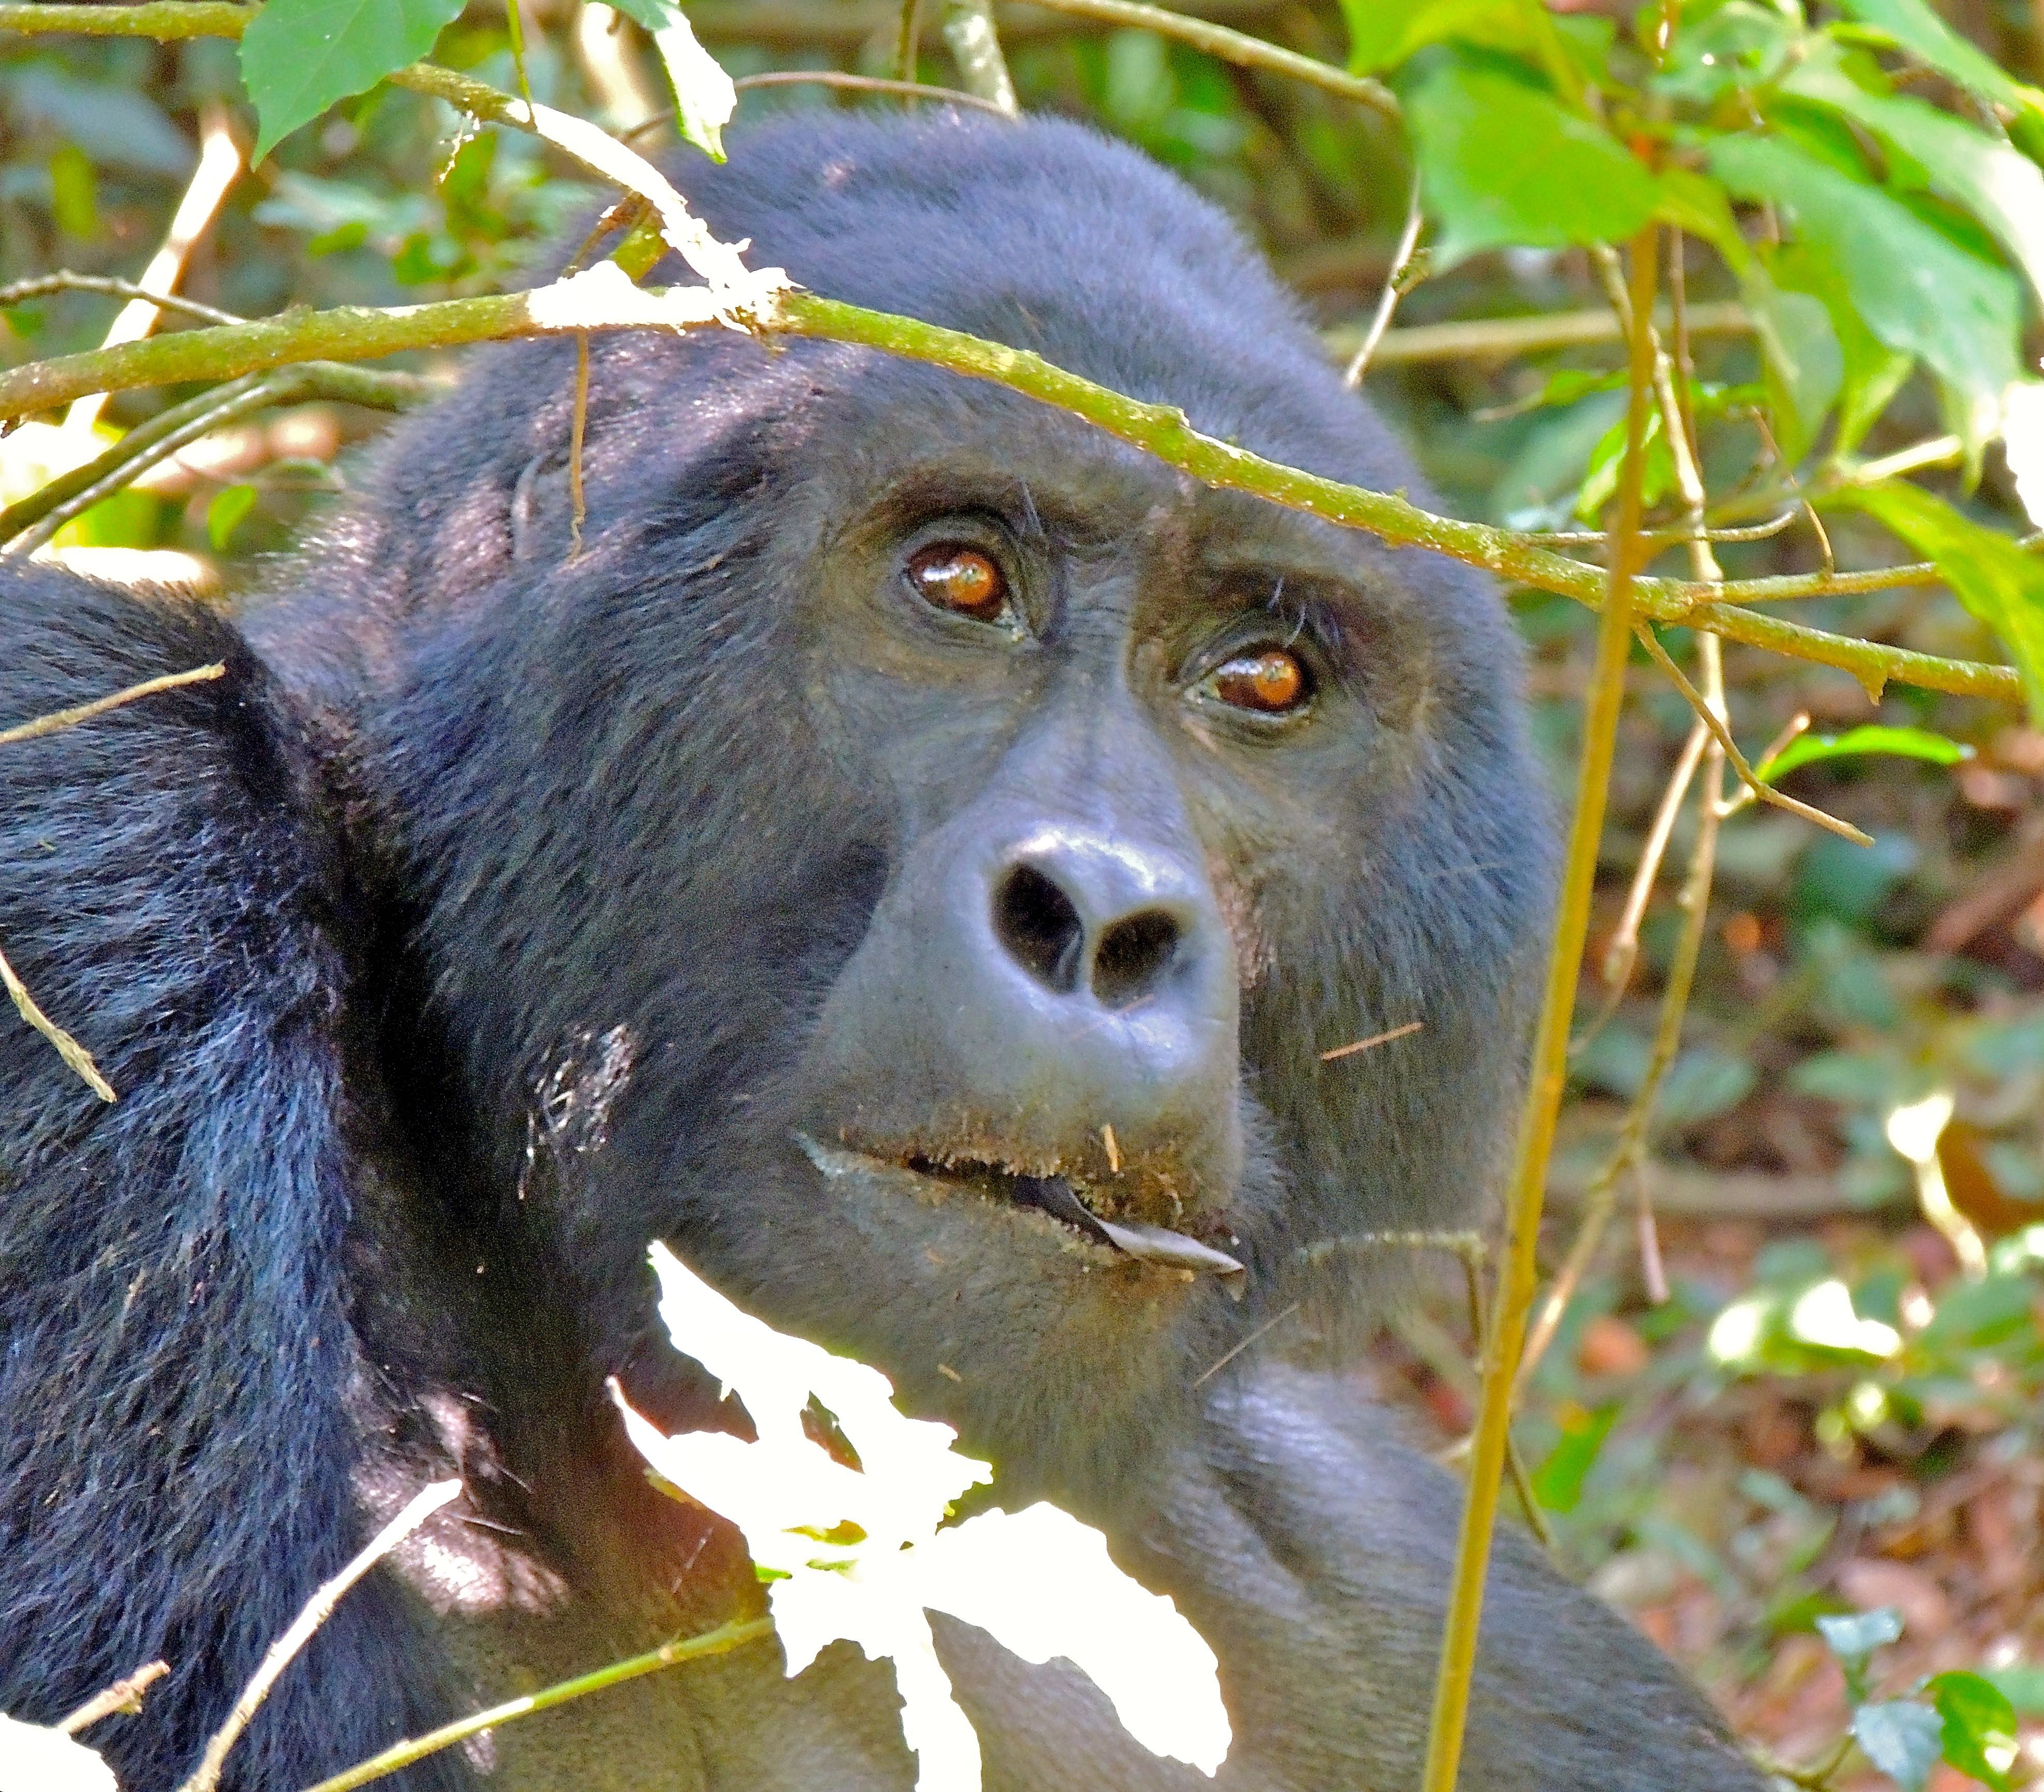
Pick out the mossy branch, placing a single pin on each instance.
(350, 332)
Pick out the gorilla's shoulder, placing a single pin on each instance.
(159, 862)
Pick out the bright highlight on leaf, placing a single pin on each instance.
(704, 97)
(35, 1759)
(856, 1553)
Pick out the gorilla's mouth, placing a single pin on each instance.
(1058, 1197)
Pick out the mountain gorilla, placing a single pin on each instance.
(911, 854)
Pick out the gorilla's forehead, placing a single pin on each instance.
(1043, 235)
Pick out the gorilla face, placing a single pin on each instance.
(968, 832)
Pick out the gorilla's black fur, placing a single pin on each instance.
(506, 906)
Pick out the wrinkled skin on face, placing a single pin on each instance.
(911, 856)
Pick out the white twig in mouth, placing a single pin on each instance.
(1055, 1196)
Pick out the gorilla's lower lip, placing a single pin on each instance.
(1053, 1195)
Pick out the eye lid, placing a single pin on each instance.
(1251, 634)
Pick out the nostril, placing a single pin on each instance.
(1132, 957)
(1036, 922)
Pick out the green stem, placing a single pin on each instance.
(725, 1637)
(1518, 1276)
(975, 47)
(354, 332)
(1237, 47)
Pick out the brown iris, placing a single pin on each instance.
(960, 580)
(1272, 683)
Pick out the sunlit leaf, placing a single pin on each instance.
(1919, 293)
(1917, 29)
(1739, 45)
(1898, 743)
(1902, 1738)
(1996, 579)
(1502, 162)
(299, 56)
(35, 1759)
(1558, 1483)
(1853, 1638)
(1802, 365)
(1979, 1726)
(1998, 185)
(2023, 442)
(857, 1554)
(704, 97)
(225, 514)
(1871, 372)
(1382, 33)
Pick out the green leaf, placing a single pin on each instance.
(1740, 45)
(299, 56)
(1382, 33)
(2022, 1686)
(1502, 162)
(1998, 185)
(1918, 292)
(1896, 742)
(704, 97)
(1802, 365)
(73, 193)
(1926, 36)
(224, 514)
(1599, 483)
(1996, 580)
(1558, 1483)
(1873, 372)
(1979, 1726)
(1695, 203)
(1902, 1738)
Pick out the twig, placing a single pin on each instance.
(1764, 792)
(726, 1636)
(579, 512)
(1620, 955)
(67, 1048)
(58, 719)
(861, 84)
(123, 1695)
(40, 286)
(170, 430)
(907, 41)
(1234, 1351)
(1518, 1276)
(318, 1610)
(1387, 301)
(1236, 47)
(219, 163)
(1372, 1043)
(1161, 430)
(1504, 339)
(975, 47)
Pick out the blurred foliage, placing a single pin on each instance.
(1826, 1415)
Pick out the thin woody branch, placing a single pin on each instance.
(350, 332)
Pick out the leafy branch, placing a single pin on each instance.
(354, 331)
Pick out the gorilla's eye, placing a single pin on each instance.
(1273, 683)
(960, 580)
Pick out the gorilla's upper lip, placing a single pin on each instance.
(1055, 1195)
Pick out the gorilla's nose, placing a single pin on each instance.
(1076, 926)
(1052, 992)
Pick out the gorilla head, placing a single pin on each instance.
(968, 831)
(903, 847)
